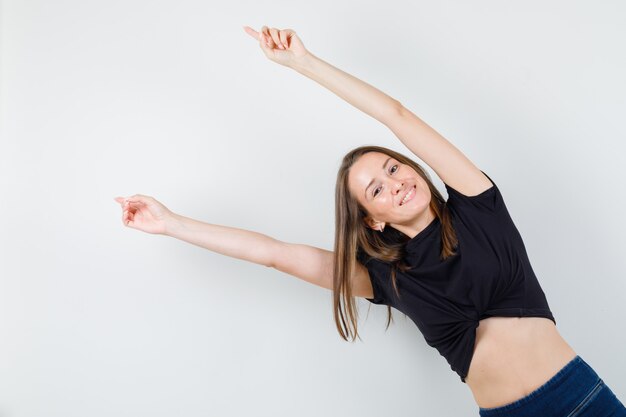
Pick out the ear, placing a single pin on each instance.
(373, 224)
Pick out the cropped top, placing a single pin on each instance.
(490, 275)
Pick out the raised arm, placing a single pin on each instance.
(448, 162)
(308, 263)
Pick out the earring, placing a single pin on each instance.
(381, 228)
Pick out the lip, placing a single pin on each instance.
(410, 198)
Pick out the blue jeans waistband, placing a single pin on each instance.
(568, 393)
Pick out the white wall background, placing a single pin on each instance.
(175, 100)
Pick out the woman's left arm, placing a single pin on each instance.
(448, 162)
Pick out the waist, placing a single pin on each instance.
(514, 356)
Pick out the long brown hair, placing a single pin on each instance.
(352, 234)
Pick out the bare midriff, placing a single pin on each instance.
(513, 356)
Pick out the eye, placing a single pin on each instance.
(390, 170)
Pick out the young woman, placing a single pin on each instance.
(457, 267)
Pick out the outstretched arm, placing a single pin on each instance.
(450, 164)
(308, 263)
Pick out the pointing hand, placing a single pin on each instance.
(144, 213)
(281, 46)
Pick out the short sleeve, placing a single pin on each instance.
(375, 273)
(489, 201)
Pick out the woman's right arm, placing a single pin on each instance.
(308, 263)
(237, 243)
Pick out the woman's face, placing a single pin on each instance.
(381, 183)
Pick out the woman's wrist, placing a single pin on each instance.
(304, 63)
(171, 224)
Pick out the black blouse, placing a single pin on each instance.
(489, 276)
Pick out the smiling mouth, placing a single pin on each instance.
(410, 194)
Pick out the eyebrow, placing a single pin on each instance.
(372, 181)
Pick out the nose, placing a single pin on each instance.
(398, 187)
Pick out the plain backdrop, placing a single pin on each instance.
(174, 100)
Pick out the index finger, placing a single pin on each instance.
(251, 32)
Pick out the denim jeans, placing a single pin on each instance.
(574, 391)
